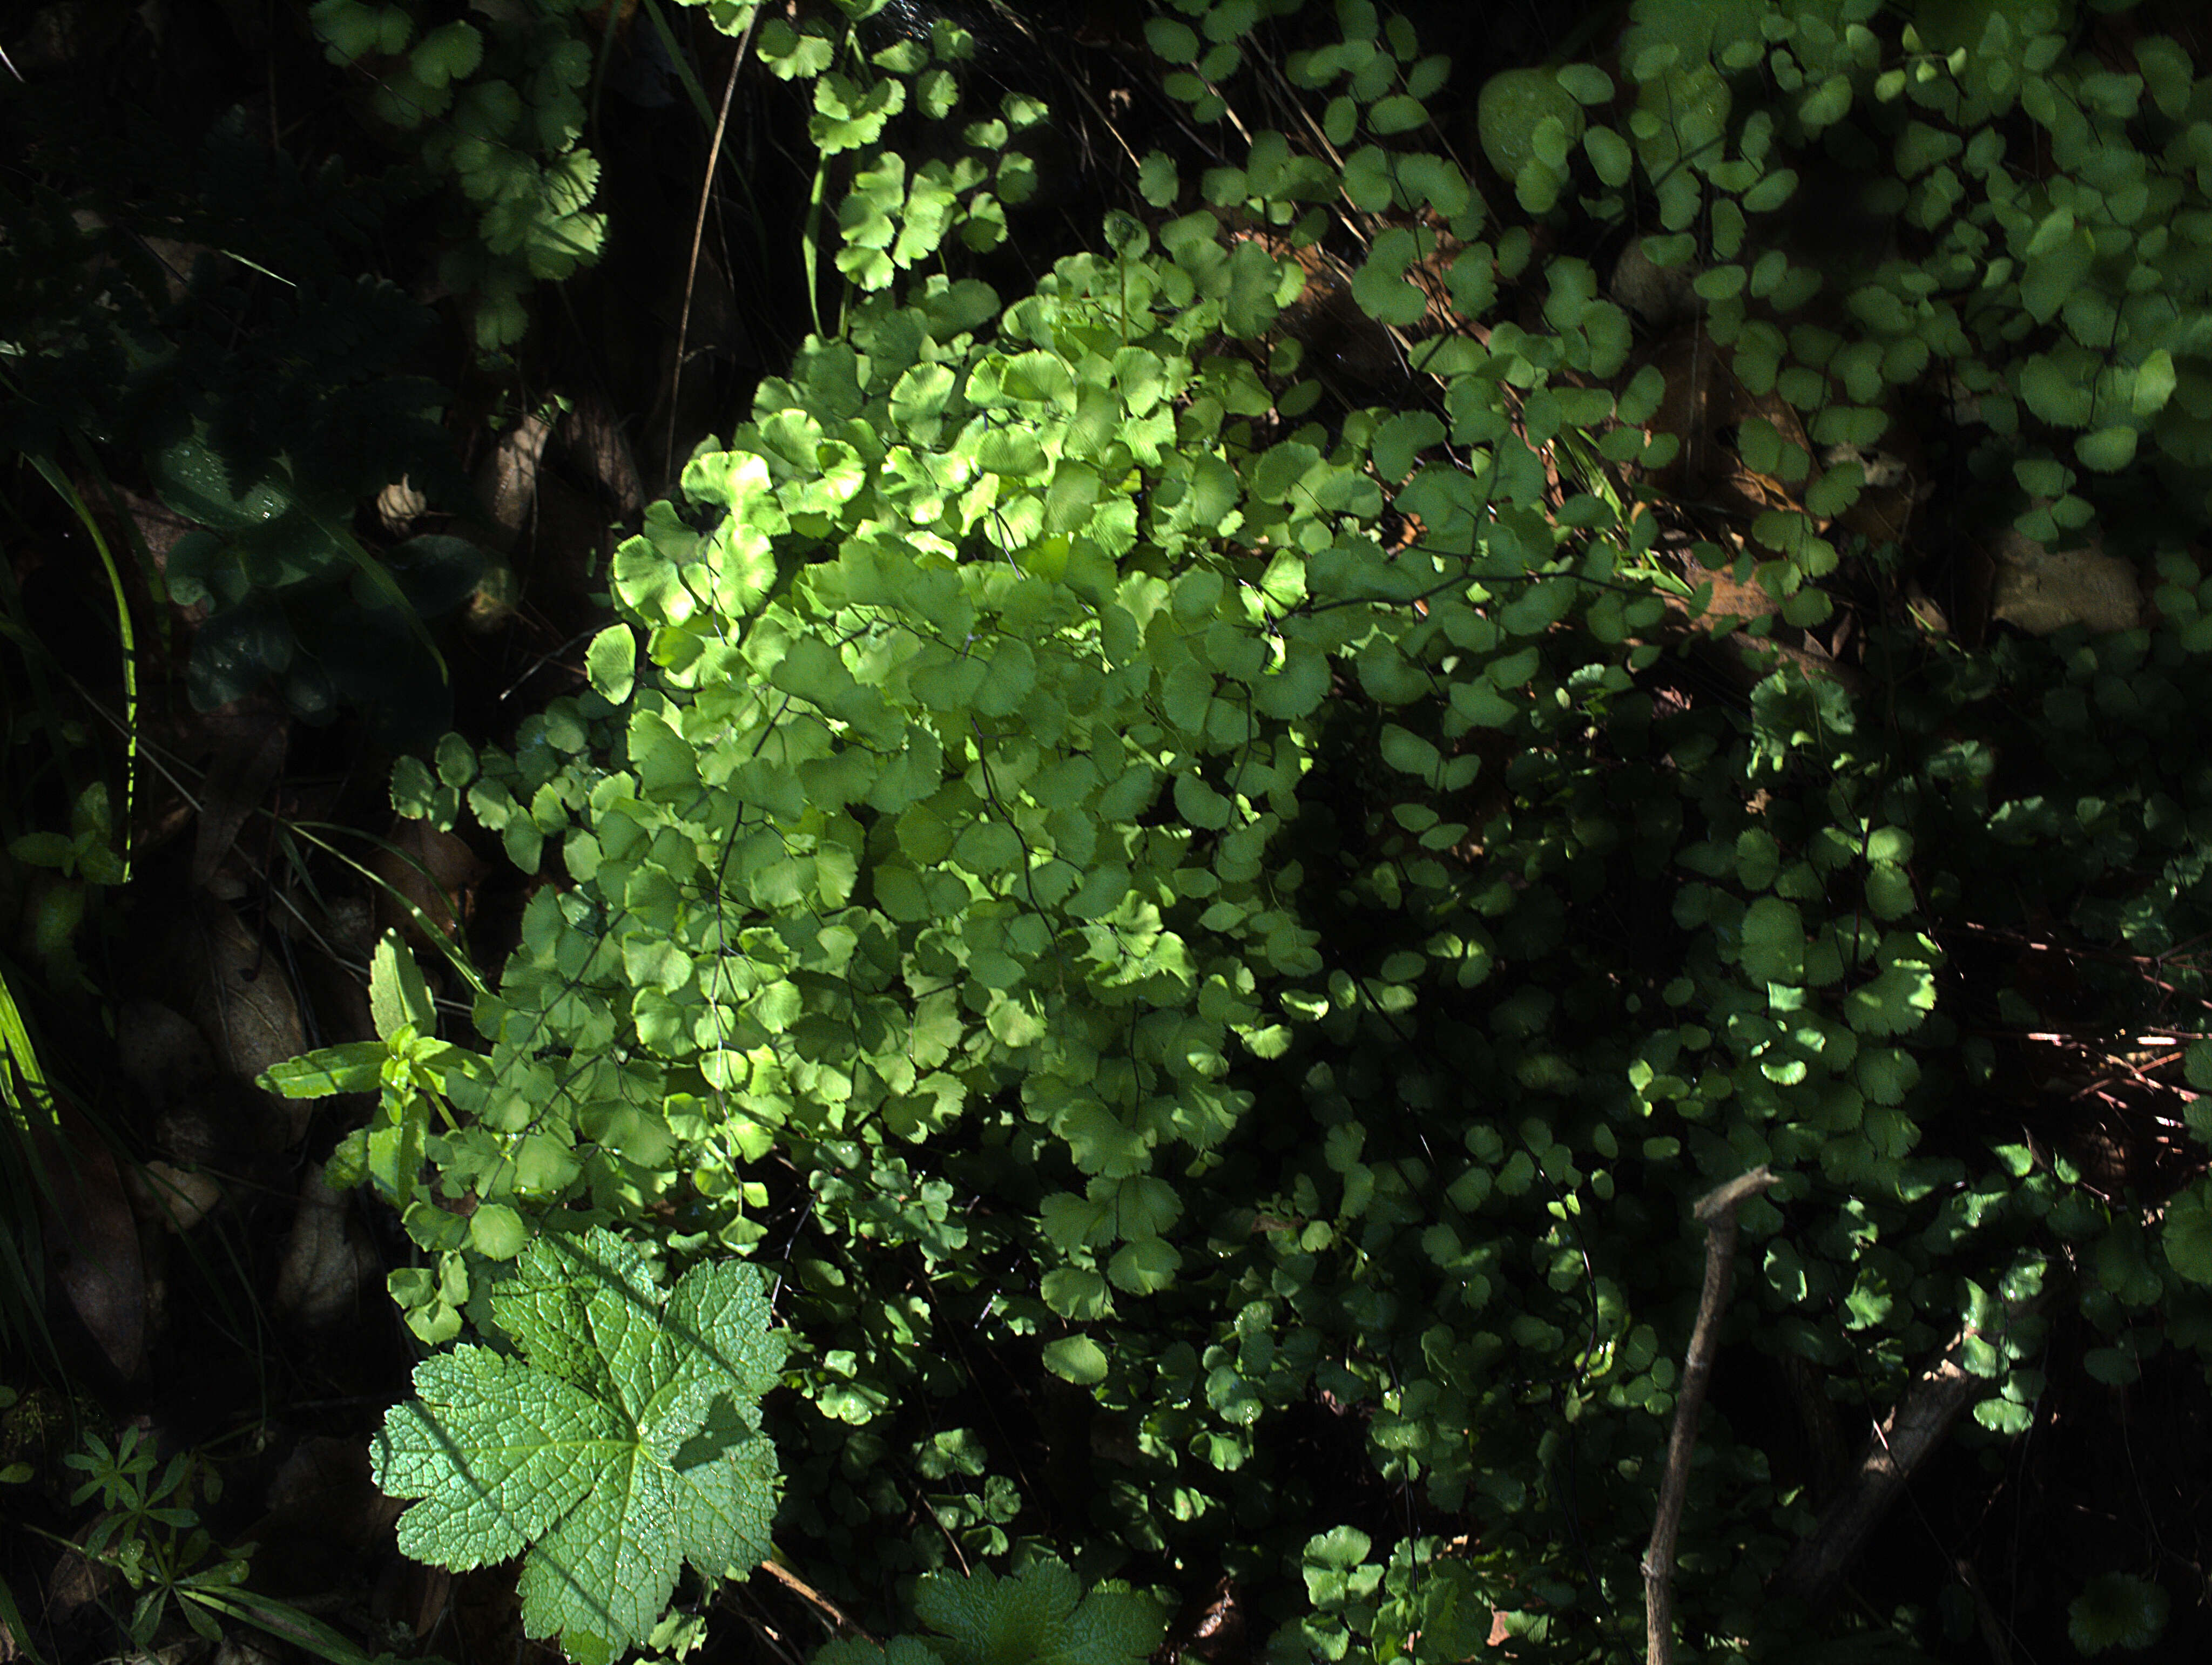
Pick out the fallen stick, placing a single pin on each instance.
(839, 1619)
(1717, 1210)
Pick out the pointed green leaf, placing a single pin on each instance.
(355, 1066)
(396, 991)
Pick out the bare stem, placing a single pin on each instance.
(821, 1603)
(1717, 1210)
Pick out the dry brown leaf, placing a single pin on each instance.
(1700, 393)
(176, 260)
(507, 483)
(594, 440)
(1763, 491)
(324, 1487)
(399, 505)
(1731, 599)
(1705, 405)
(248, 764)
(1216, 1632)
(327, 1258)
(76, 1582)
(205, 738)
(431, 875)
(243, 1647)
(1337, 335)
(2041, 590)
(324, 1513)
(487, 1609)
(160, 1052)
(1659, 295)
(238, 995)
(1896, 480)
(163, 1193)
(561, 557)
(92, 1240)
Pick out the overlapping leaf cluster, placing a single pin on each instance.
(498, 98)
(2052, 306)
(1028, 791)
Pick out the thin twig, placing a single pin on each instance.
(820, 1603)
(1716, 1208)
(699, 235)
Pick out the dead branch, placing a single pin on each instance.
(1716, 1208)
(844, 1624)
(1898, 1445)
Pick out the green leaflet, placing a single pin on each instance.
(1040, 1615)
(2188, 1235)
(623, 1441)
(2117, 1610)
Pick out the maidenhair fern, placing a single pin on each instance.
(1216, 898)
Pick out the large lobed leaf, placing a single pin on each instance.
(624, 1442)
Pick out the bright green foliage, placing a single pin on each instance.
(1039, 1616)
(2188, 1234)
(1515, 103)
(623, 1442)
(409, 1068)
(1420, 1600)
(1027, 802)
(2091, 259)
(86, 851)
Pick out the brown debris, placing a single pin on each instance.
(432, 877)
(328, 1259)
(2041, 589)
(238, 995)
(92, 1240)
